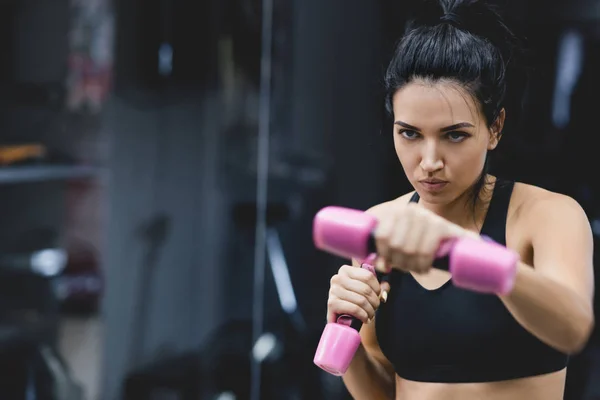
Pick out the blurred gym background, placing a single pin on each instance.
(161, 162)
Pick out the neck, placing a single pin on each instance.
(461, 210)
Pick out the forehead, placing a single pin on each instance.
(434, 104)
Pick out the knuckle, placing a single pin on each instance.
(364, 303)
(331, 293)
(362, 313)
(424, 266)
(343, 269)
(334, 280)
(363, 274)
(331, 303)
(415, 267)
(424, 253)
(366, 291)
(427, 258)
(381, 235)
(397, 245)
(411, 252)
(402, 250)
(376, 302)
(374, 283)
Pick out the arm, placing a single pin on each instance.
(553, 299)
(370, 375)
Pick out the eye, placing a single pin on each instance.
(456, 136)
(408, 134)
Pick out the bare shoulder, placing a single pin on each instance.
(535, 208)
(558, 232)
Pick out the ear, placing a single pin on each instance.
(496, 130)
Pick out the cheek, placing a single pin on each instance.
(468, 163)
(407, 155)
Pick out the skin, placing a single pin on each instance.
(549, 231)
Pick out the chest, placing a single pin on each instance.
(448, 309)
(441, 326)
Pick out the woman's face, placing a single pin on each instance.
(441, 139)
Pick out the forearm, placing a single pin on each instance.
(367, 379)
(551, 311)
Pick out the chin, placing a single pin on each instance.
(434, 198)
(438, 197)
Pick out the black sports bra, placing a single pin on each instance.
(455, 335)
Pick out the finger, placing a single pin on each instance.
(331, 316)
(430, 243)
(385, 290)
(406, 231)
(368, 303)
(410, 234)
(427, 246)
(346, 269)
(364, 276)
(361, 289)
(460, 232)
(421, 264)
(399, 261)
(381, 265)
(382, 236)
(340, 307)
(397, 254)
(384, 227)
(449, 230)
(406, 246)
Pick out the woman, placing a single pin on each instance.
(422, 337)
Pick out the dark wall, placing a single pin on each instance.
(335, 122)
(163, 267)
(169, 168)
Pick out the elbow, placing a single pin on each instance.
(579, 335)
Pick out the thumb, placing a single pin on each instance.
(331, 317)
(385, 290)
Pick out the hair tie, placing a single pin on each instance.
(451, 18)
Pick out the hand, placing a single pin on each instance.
(410, 236)
(355, 291)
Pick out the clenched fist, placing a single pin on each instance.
(356, 292)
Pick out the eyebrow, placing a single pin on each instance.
(445, 129)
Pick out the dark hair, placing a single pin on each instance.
(464, 41)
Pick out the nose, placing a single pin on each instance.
(431, 161)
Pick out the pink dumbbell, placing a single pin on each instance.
(482, 266)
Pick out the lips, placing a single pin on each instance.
(433, 185)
